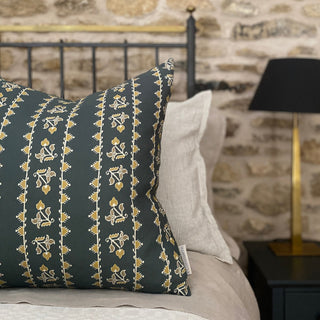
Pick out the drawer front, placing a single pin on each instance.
(302, 305)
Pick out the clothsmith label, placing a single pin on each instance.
(185, 258)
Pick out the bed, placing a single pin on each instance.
(219, 288)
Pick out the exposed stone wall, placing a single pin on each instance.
(234, 42)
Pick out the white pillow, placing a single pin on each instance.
(210, 148)
(182, 179)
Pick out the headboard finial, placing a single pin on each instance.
(191, 9)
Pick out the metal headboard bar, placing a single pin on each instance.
(189, 45)
(191, 54)
(61, 45)
(92, 28)
(29, 67)
(94, 70)
(125, 53)
(61, 69)
(157, 55)
(92, 44)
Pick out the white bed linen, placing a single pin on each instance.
(30, 312)
(219, 292)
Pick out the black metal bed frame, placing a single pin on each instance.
(189, 45)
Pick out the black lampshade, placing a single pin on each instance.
(291, 85)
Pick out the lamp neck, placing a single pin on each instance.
(296, 225)
(295, 120)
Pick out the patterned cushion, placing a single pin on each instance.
(77, 187)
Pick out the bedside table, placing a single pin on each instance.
(287, 288)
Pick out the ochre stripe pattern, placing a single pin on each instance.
(9, 114)
(95, 196)
(137, 244)
(157, 125)
(22, 198)
(64, 198)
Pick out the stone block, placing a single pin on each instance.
(7, 59)
(224, 172)
(274, 151)
(312, 10)
(226, 192)
(271, 122)
(241, 150)
(208, 51)
(310, 151)
(208, 27)
(232, 127)
(239, 8)
(271, 137)
(182, 5)
(266, 168)
(310, 208)
(282, 27)
(22, 8)
(315, 185)
(73, 7)
(237, 67)
(280, 8)
(270, 199)
(251, 53)
(236, 105)
(301, 51)
(77, 81)
(223, 208)
(132, 8)
(257, 227)
(52, 64)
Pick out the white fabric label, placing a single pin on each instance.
(185, 258)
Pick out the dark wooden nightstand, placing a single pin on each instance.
(287, 288)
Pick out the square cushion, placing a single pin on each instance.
(182, 186)
(77, 189)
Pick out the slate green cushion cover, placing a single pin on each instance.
(77, 187)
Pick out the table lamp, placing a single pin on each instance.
(291, 85)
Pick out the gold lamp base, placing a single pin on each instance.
(286, 249)
(295, 247)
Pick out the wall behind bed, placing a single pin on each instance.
(235, 40)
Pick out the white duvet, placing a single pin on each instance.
(219, 292)
(30, 312)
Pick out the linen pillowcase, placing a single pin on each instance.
(210, 148)
(182, 182)
(77, 187)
